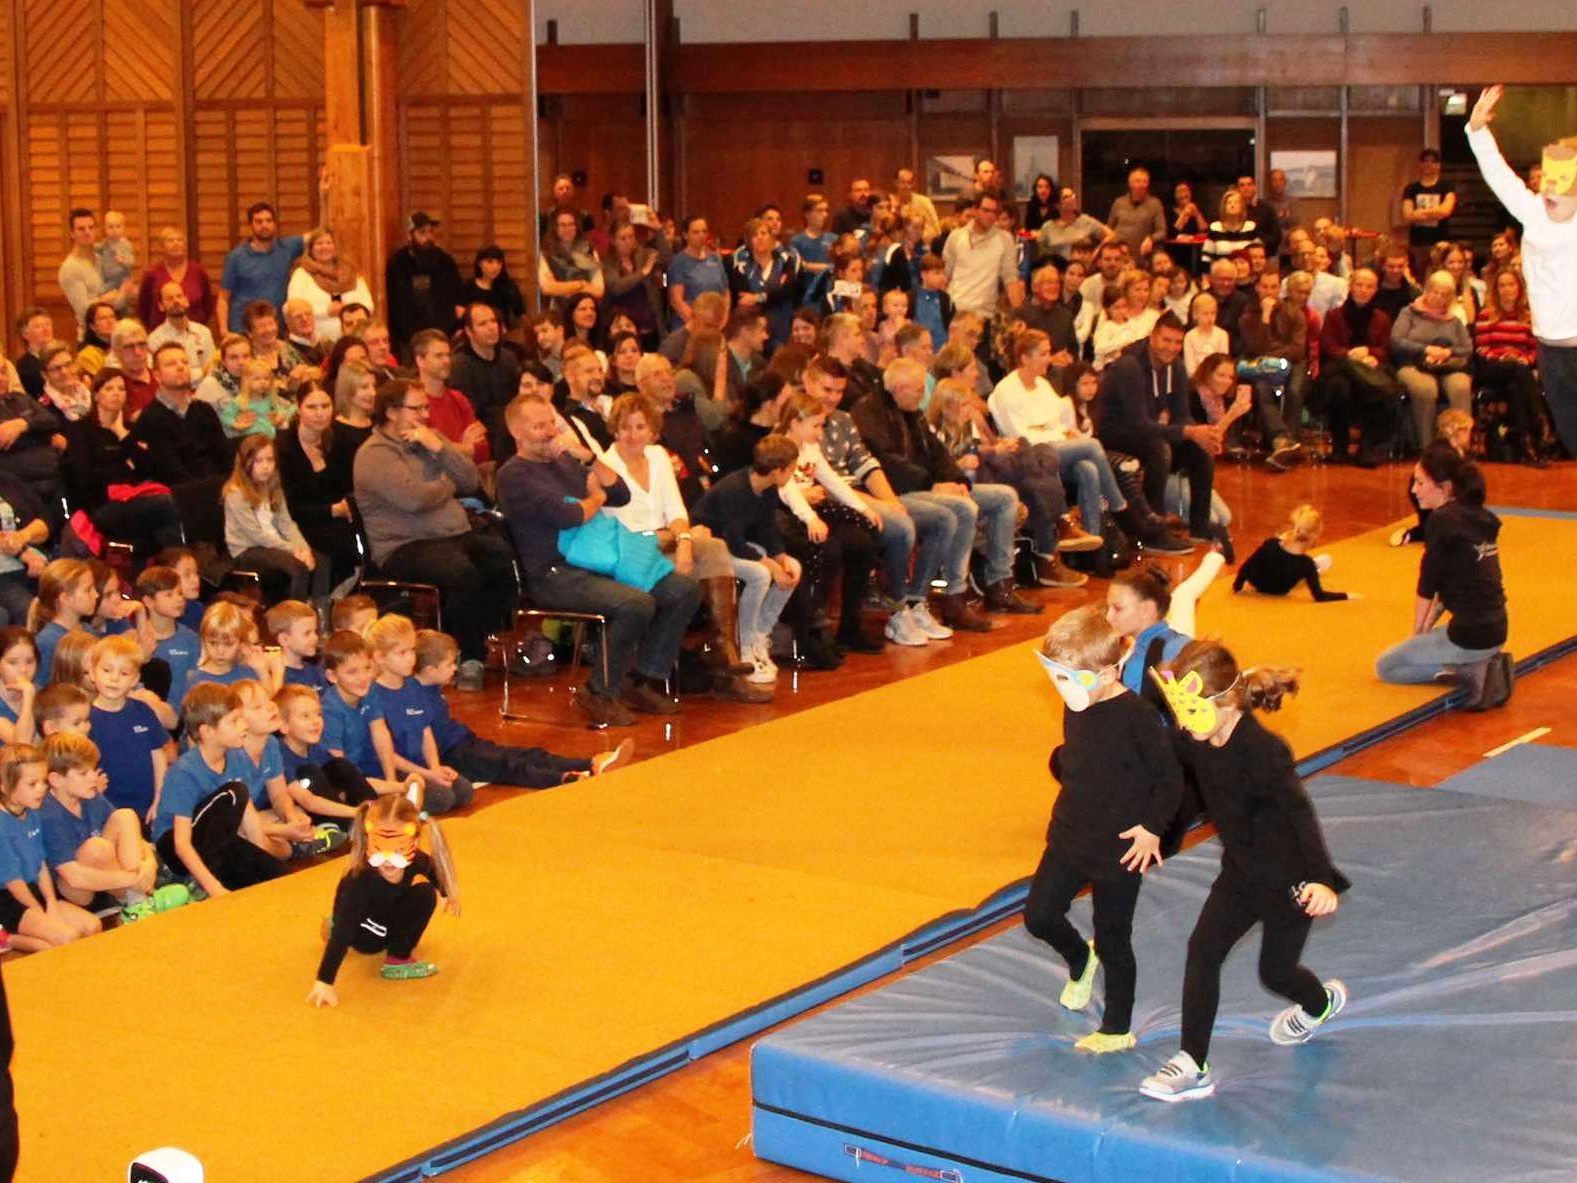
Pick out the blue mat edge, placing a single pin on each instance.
(947, 930)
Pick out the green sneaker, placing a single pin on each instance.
(404, 971)
(1103, 1043)
(163, 899)
(1076, 994)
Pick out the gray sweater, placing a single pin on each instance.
(407, 494)
(1413, 330)
(268, 526)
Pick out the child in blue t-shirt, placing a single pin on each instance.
(401, 718)
(91, 846)
(130, 735)
(29, 908)
(179, 647)
(294, 626)
(481, 759)
(183, 561)
(67, 597)
(205, 826)
(327, 786)
(230, 652)
(294, 833)
(347, 662)
(18, 669)
(931, 306)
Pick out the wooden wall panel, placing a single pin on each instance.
(229, 47)
(485, 39)
(61, 58)
(140, 49)
(464, 163)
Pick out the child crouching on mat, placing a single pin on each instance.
(1275, 870)
(481, 759)
(1283, 562)
(1121, 785)
(387, 896)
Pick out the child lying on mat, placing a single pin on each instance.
(1121, 785)
(1283, 562)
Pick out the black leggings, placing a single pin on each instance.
(217, 840)
(403, 924)
(337, 780)
(531, 768)
(850, 547)
(1229, 912)
(1056, 882)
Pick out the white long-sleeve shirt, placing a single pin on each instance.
(304, 287)
(1035, 413)
(1549, 249)
(650, 508)
(1198, 345)
(810, 469)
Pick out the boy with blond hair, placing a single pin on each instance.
(400, 718)
(294, 627)
(131, 739)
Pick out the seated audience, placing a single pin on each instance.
(1356, 378)
(1432, 350)
(316, 471)
(108, 473)
(1504, 356)
(261, 535)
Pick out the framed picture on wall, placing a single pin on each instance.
(948, 176)
(1309, 173)
(1033, 155)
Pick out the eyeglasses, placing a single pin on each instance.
(416, 409)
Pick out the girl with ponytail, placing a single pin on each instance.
(1275, 870)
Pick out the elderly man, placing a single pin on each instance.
(487, 375)
(982, 261)
(1231, 303)
(542, 492)
(1355, 374)
(178, 327)
(917, 464)
(408, 480)
(1137, 218)
(130, 354)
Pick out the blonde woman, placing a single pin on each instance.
(328, 282)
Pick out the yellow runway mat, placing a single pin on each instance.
(607, 921)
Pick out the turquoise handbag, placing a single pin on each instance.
(606, 546)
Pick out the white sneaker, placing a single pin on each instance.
(934, 629)
(902, 630)
(760, 656)
(1179, 1079)
(1293, 1025)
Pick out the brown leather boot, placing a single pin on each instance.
(1072, 536)
(1050, 571)
(960, 617)
(722, 650)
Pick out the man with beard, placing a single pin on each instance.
(257, 269)
(178, 327)
(423, 283)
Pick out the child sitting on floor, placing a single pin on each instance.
(18, 668)
(67, 598)
(355, 613)
(347, 715)
(294, 626)
(206, 827)
(400, 719)
(183, 561)
(1121, 786)
(291, 833)
(437, 655)
(179, 647)
(29, 908)
(327, 786)
(131, 736)
(230, 650)
(1283, 562)
(64, 706)
(91, 846)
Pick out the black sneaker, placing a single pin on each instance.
(1166, 544)
(818, 653)
(1214, 535)
(858, 642)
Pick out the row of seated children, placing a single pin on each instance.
(281, 749)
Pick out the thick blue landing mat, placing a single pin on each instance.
(1455, 1060)
(1538, 773)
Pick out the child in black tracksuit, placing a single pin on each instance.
(1275, 870)
(1121, 785)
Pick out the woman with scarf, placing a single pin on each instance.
(327, 282)
(569, 266)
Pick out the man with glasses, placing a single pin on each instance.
(408, 481)
(65, 392)
(982, 260)
(129, 354)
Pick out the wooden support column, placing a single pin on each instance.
(362, 165)
(13, 208)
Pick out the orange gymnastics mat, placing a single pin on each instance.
(616, 929)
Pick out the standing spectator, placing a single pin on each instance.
(178, 327)
(174, 266)
(1232, 231)
(563, 201)
(1070, 227)
(257, 269)
(1432, 349)
(856, 216)
(407, 480)
(1137, 218)
(695, 270)
(423, 284)
(910, 201)
(568, 267)
(487, 374)
(449, 412)
(1186, 215)
(632, 282)
(491, 284)
(327, 281)
(1261, 213)
(1042, 205)
(763, 274)
(982, 261)
(814, 246)
(129, 353)
(615, 213)
(1427, 206)
(901, 260)
(1281, 202)
(80, 276)
(37, 331)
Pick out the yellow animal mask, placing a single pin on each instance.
(1195, 712)
(1560, 168)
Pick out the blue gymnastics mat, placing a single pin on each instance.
(1456, 1058)
(1542, 774)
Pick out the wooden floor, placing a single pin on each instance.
(694, 1124)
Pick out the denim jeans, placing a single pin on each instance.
(1086, 460)
(950, 561)
(761, 601)
(918, 520)
(644, 628)
(1423, 655)
(1558, 369)
(999, 511)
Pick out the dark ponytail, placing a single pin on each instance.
(1149, 582)
(1442, 463)
(1259, 689)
